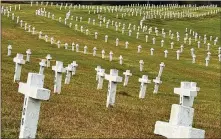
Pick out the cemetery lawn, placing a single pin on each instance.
(80, 110)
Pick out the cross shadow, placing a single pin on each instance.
(124, 93)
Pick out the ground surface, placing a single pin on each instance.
(79, 111)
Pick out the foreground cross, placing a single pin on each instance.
(181, 116)
(34, 94)
(58, 69)
(19, 61)
(113, 79)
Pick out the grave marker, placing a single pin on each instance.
(28, 52)
(75, 65)
(113, 79)
(126, 78)
(34, 94)
(101, 75)
(19, 61)
(143, 86)
(181, 116)
(42, 66)
(48, 58)
(69, 70)
(9, 50)
(58, 69)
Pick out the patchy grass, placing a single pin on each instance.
(79, 111)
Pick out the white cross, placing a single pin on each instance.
(66, 45)
(111, 56)
(171, 45)
(72, 46)
(187, 92)
(100, 74)
(157, 82)
(19, 61)
(58, 69)
(162, 65)
(126, 78)
(34, 94)
(151, 51)
(120, 60)
(9, 50)
(48, 58)
(207, 61)
(193, 58)
(126, 44)
(75, 65)
(143, 86)
(85, 49)
(103, 54)
(165, 53)
(141, 65)
(113, 79)
(28, 52)
(139, 47)
(117, 42)
(42, 66)
(94, 51)
(59, 44)
(178, 54)
(106, 38)
(77, 47)
(97, 70)
(69, 70)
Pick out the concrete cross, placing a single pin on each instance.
(141, 65)
(72, 46)
(106, 38)
(151, 51)
(207, 61)
(69, 70)
(102, 54)
(101, 75)
(113, 79)
(28, 52)
(19, 61)
(42, 66)
(94, 51)
(178, 54)
(165, 53)
(34, 94)
(139, 47)
(9, 50)
(75, 65)
(66, 46)
(111, 56)
(48, 58)
(77, 47)
(126, 78)
(143, 86)
(58, 69)
(85, 49)
(187, 92)
(121, 60)
(97, 70)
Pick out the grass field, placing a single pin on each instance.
(79, 111)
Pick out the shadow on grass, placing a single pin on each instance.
(124, 93)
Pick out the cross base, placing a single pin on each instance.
(175, 131)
